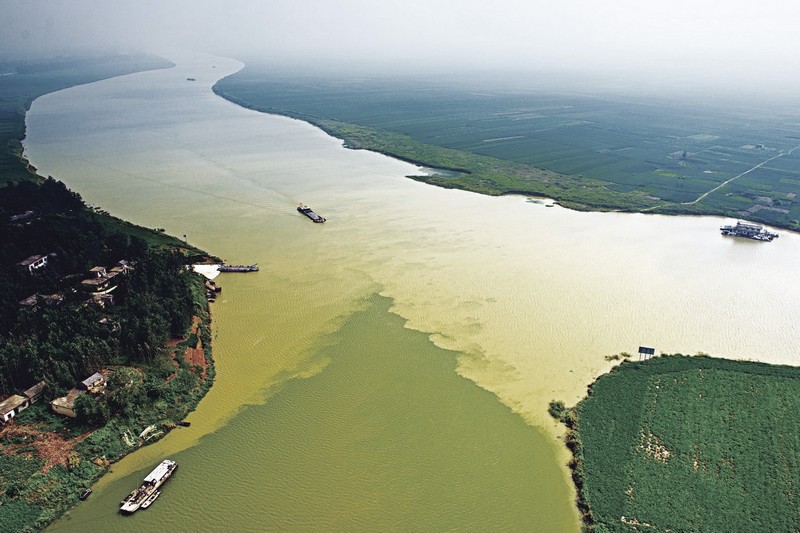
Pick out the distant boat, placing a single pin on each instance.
(237, 268)
(751, 231)
(190, 79)
(85, 494)
(310, 214)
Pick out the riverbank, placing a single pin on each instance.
(503, 143)
(521, 297)
(687, 443)
(473, 173)
(46, 459)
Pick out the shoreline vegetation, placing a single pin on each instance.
(466, 171)
(141, 331)
(672, 443)
(693, 425)
(765, 198)
(680, 443)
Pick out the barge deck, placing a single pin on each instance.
(302, 208)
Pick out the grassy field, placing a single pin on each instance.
(601, 151)
(691, 444)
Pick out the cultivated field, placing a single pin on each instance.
(692, 444)
(632, 153)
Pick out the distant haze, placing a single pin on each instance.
(751, 45)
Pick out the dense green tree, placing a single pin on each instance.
(65, 343)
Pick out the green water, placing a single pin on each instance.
(389, 369)
(386, 437)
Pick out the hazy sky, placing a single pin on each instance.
(734, 39)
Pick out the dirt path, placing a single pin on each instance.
(52, 447)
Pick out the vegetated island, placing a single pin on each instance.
(602, 152)
(104, 332)
(679, 443)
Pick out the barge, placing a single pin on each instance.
(310, 214)
(145, 495)
(748, 230)
(238, 268)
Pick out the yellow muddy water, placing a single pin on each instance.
(390, 369)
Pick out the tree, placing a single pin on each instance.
(92, 411)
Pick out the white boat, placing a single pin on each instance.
(145, 495)
(150, 499)
(751, 231)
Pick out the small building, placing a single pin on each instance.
(34, 393)
(96, 383)
(100, 278)
(12, 406)
(30, 301)
(65, 405)
(32, 263)
(102, 300)
(98, 272)
(50, 300)
(123, 266)
(95, 284)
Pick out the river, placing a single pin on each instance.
(390, 369)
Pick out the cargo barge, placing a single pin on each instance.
(145, 495)
(310, 214)
(238, 268)
(750, 231)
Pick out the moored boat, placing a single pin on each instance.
(150, 499)
(145, 495)
(748, 230)
(238, 268)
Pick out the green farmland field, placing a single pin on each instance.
(692, 444)
(603, 150)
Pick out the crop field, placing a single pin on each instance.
(692, 444)
(663, 152)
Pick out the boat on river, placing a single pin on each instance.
(748, 230)
(238, 268)
(145, 495)
(310, 214)
(150, 499)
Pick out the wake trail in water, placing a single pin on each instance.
(279, 205)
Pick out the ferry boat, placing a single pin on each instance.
(150, 499)
(310, 214)
(145, 495)
(750, 231)
(238, 268)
